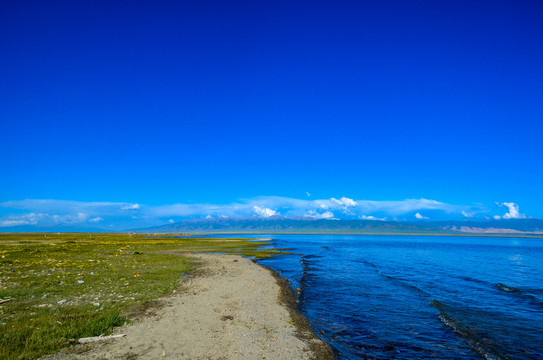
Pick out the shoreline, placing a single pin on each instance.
(320, 348)
(229, 308)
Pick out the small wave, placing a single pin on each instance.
(477, 343)
(306, 261)
(474, 280)
(404, 283)
(536, 291)
(312, 256)
(309, 257)
(523, 294)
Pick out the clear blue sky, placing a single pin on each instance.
(212, 102)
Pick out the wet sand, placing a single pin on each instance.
(230, 308)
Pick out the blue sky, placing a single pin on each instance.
(217, 104)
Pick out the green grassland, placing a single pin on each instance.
(62, 287)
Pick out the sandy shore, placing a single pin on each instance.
(231, 308)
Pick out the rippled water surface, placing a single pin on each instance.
(419, 297)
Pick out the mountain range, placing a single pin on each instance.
(278, 224)
(304, 225)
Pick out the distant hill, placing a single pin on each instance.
(290, 225)
(508, 226)
(284, 225)
(278, 224)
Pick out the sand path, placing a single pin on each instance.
(231, 308)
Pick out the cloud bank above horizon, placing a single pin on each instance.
(121, 216)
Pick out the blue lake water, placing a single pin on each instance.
(419, 297)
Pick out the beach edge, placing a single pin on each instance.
(320, 348)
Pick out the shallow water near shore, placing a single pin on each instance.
(419, 297)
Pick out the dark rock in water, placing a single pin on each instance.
(389, 347)
(506, 288)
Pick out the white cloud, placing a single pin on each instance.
(8, 223)
(497, 217)
(324, 215)
(47, 212)
(308, 194)
(82, 216)
(467, 214)
(47, 219)
(344, 202)
(513, 212)
(264, 212)
(420, 217)
(171, 221)
(344, 205)
(403, 207)
(54, 206)
(130, 207)
(26, 219)
(373, 218)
